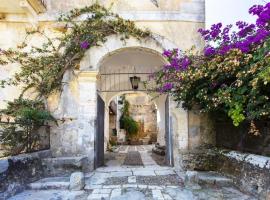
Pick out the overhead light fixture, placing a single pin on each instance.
(134, 80)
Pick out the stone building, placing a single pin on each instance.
(173, 23)
(143, 110)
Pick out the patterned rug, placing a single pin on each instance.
(133, 158)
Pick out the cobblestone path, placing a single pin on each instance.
(148, 182)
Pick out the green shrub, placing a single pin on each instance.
(22, 135)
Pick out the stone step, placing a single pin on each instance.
(64, 166)
(50, 194)
(50, 183)
(212, 178)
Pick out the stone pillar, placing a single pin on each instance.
(87, 114)
(106, 127)
(180, 132)
(160, 103)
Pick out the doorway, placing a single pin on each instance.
(116, 73)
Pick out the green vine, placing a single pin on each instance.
(127, 122)
(43, 68)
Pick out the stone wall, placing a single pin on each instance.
(174, 24)
(17, 171)
(238, 138)
(143, 110)
(249, 172)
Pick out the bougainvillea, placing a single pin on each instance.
(232, 75)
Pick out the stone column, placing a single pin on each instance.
(180, 132)
(87, 114)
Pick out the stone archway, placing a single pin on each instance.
(78, 103)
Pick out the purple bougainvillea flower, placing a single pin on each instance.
(167, 53)
(166, 87)
(256, 9)
(185, 63)
(209, 51)
(85, 45)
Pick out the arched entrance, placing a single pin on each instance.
(116, 71)
(84, 98)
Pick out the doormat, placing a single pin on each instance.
(133, 158)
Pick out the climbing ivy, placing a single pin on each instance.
(43, 68)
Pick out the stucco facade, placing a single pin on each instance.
(174, 24)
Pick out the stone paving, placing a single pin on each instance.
(151, 181)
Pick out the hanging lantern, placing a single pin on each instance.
(135, 82)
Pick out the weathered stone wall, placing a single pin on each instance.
(201, 130)
(174, 24)
(143, 110)
(249, 172)
(17, 171)
(239, 138)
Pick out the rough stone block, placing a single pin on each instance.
(191, 177)
(76, 181)
(132, 179)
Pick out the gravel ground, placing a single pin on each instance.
(116, 181)
(160, 180)
(133, 158)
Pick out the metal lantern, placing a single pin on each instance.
(135, 82)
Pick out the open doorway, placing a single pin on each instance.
(121, 77)
(133, 131)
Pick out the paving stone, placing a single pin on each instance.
(112, 169)
(49, 195)
(121, 174)
(111, 186)
(164, 172)
(97, 179)
(147, 159)
(116, 193)
(132, 179)
(142, 186)
(172, 186)
(130, 186)
(167, 197)
(157, 195)
(234, 194)
(89, 174)
(92, 187)
(102, 191)
(155, 187)
(144, 173)
(182, 194)
(131, 195)
(98, 196)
